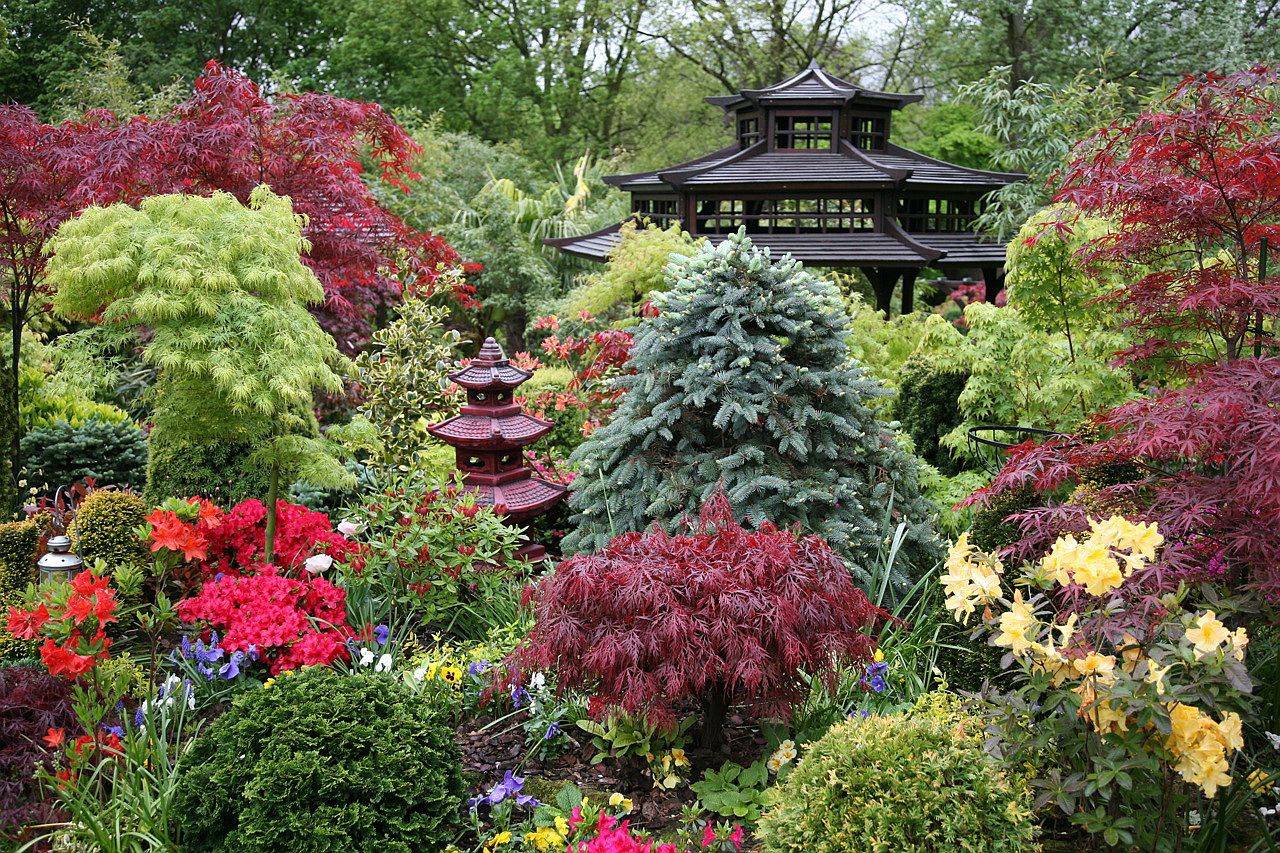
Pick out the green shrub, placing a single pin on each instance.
(218, 470)
(19, 544)
(892, 783)
(114, 454)
(104, 527)
(928, 407)
(991, 530)
(324, 761)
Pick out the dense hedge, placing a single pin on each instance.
(60, 454)
(928, 407)
(320, 761)
(992, 529)
(19, 542)
(892, 783)
(217, 470)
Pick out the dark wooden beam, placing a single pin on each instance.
(885, 279)
(993, 278)
(909, 290)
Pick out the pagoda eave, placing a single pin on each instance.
(479, 431)
(522, 498)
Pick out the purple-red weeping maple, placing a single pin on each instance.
(1193, 186)
(656, 624)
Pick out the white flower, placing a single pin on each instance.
(318, 563)
(537, 681)
(366, 657)
(348, 528)
(420, 673)
(1274, 738)
(384, 663)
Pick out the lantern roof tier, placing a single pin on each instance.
(472, 430)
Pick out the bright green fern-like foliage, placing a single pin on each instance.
(223, 292)
(744, 379)
(323, 761)
(636, 269)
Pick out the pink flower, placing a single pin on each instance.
(708, 835)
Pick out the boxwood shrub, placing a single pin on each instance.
(105, 526)
(321, 761)
(891, 783)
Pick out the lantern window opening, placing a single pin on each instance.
(803, 132)
(867, 132)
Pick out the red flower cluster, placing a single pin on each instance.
(721, 615)
(615, 837)
(290, 622)
(72, 619)
(594, 355)
(227, 542)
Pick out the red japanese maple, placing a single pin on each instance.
(721, 616)
(1192, 185)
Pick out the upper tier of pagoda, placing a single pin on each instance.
(813, 172)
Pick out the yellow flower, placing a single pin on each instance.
(1101, 667)
(562, 826)
(1239, 639)
(499, 840)
(616, 800)
(268, 682)
(1201, 746)
(878, 655)
(1096, 570)
(451, 674)
(1015, 624)
(677, 755)
(1067, 630)
(1156, 674)
(1103, 714)
(1060, 559)
(1131, 651)
(1208, 634)
(971, 578)
(546, 838)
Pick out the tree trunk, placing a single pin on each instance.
(715, 710)
(9, 465)
(269, 547)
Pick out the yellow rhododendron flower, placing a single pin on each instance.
(1208, 634)
(1101, 667)
(1103, 714)
(1015, 624)
(1130, 651)
(1239, 639)
(1201, 746)
(970, 579)
(1156, 674)
(1060, 559)
(1096, 570)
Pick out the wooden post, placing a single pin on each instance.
(883, 283)
(994, 282)
(909, 290)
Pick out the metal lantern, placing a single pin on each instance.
(59, 564)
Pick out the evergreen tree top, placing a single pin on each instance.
(223, 293)
(744, 379)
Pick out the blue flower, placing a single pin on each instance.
(231, 669)
(139, 717)
(382, 633)
(511, 786)
(552, 731)
(877, 684)
(478, 668)
(118, 731)
(519, 696)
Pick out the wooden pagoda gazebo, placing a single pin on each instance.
(813, 172)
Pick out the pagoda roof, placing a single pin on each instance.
(812, 85)
(471, 430)
(521, 497)
(893, 247)
(845, 167)
(490, 369)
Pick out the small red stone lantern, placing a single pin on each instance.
(489, 436)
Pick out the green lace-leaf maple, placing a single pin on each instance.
(222, 292)
(744, 378)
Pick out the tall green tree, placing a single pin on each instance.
(221, 290)
(744, 382)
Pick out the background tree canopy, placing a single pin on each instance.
(567, 77)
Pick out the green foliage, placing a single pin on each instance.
(733, 791)
(49, 394)
(927, 406)
(636, 268)
(320, 760)
(991, 530)
(19, 544)
(223, 291)
(947, 491)
(947, 131)
(221, 470)
(1047, 282)
(1022, 376)
(404, 379)
(104, 528)
(626, 735)
(883, 347)
(58, 455)
(744, 380)
(891, 783)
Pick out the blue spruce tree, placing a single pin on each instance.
(744, 380)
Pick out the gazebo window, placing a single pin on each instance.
(749, 131)
(867, 132)
(786, 216)
(938, 214)
(806, 132)
(662, 211)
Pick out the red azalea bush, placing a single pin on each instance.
(720, 616)
(33, 705)
(226, 542)
(290, 622)
(72, 619)
(614, 837)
